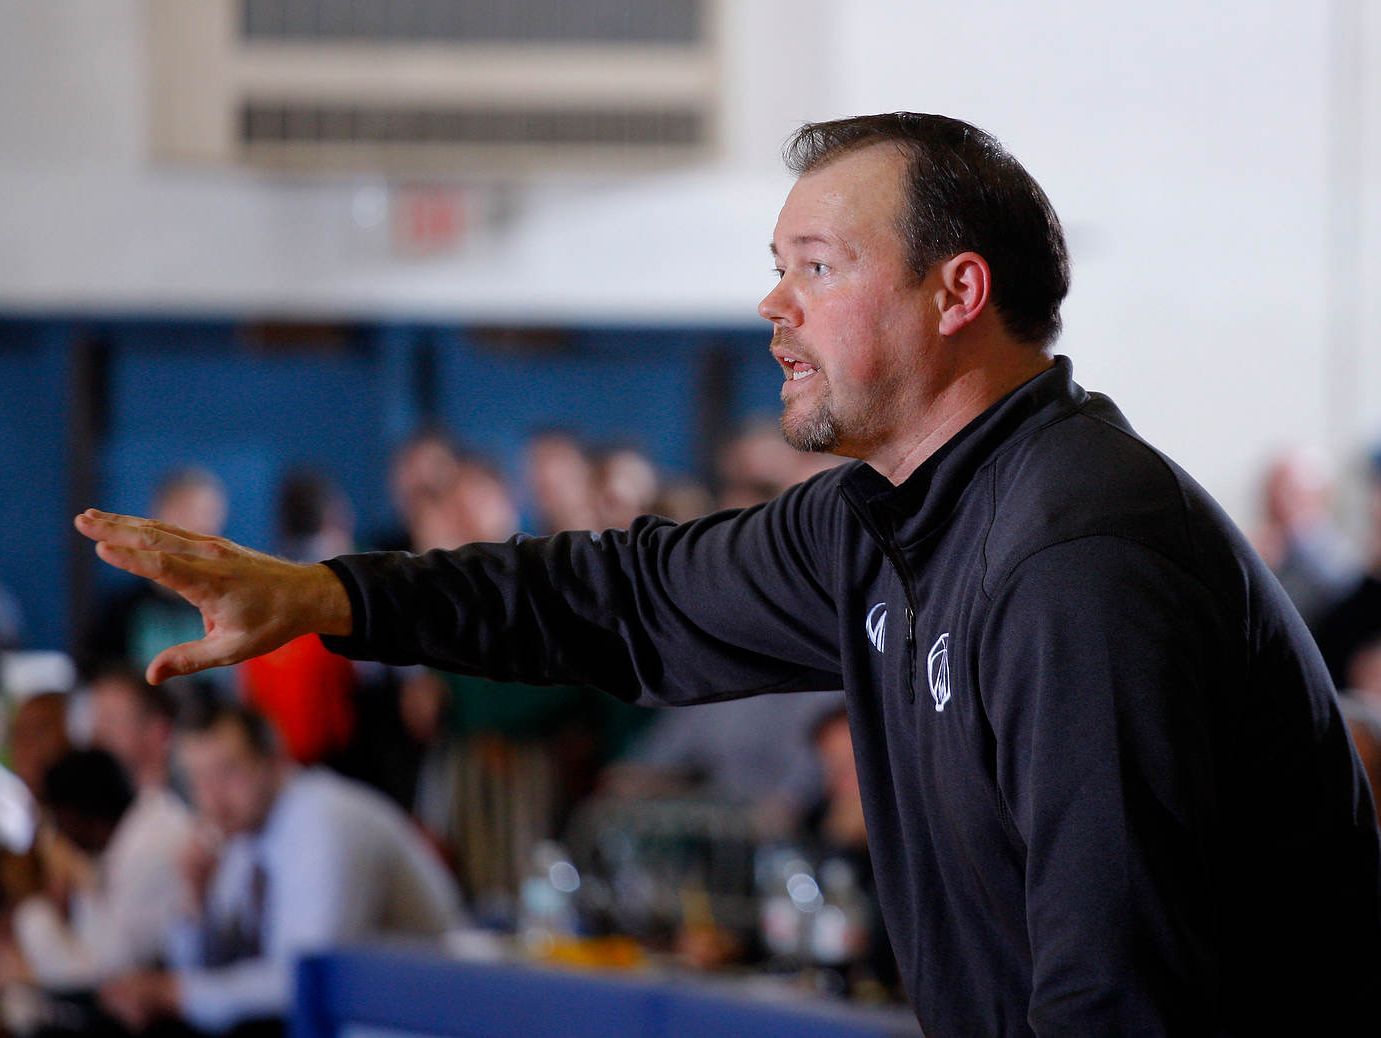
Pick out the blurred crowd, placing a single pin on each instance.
(190, 840)
(187, 842)
(1333, 579)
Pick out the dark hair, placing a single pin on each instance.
(306, 500)
(90, 783)
(153, 700)
(204, 715)
(430, 432)
(964, 192)
(433, 433)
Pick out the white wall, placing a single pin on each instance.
(1186, 148)
(1190, 148)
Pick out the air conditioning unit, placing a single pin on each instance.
(428, 88)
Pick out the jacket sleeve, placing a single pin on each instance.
(1097, 674)
(729, 605)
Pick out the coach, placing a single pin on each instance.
(1107, 785)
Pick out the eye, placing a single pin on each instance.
(779, 272)
(819, 269)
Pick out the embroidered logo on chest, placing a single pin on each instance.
(876, 625)
(937, 669)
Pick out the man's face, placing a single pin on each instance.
(117, 721)
(38, 737)
(124, 727)
(850, 322)
(198, 508)
(421, 477)
(232, 787)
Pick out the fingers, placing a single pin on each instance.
(187, 658)
(175, 572)
(146, 534)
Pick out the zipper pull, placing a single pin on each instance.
(911, 652)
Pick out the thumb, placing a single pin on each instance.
(187, 658)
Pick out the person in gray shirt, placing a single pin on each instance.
(290, 860)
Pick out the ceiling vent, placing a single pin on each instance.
(412, 88)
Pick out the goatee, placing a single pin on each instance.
(816, 433)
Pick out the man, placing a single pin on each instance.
(1354, 623)
(308, 860)
(754, 752)
(134, 721)
(111, 871)
(1107, 786)
(38, 736)
(560, 482)
(1297, 537)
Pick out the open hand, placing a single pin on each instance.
(250, 602)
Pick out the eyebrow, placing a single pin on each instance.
(817, 239)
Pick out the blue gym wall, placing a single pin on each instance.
(202, 392)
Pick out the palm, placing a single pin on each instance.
(250, 603)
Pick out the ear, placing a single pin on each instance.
(963, 292)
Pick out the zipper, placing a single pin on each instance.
(899, 566)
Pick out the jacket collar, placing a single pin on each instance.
(931, 493)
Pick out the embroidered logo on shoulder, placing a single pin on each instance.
(876, 625)
(937, 667)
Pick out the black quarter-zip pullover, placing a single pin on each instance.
(1107, 785)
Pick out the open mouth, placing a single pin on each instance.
(796, 370)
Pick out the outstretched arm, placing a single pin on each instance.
(250, 602)
(733, 604)
(737, 603)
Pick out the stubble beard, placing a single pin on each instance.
(816, 432)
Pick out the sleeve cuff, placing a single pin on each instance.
(354, 646)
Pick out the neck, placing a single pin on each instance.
(954, 399)
(152, 776)
(283, 771)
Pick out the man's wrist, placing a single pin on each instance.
(331, 603)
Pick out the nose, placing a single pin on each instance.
(780, 307)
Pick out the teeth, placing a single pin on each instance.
(801, 373)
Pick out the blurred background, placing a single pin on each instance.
(336, 274)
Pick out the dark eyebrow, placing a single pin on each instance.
(817, 239)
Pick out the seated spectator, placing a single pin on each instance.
(1297, 536)
(1364, 673)
(626, 486)
(473, 506)
(421, 472)
(754, 751)
(756, 464)
(315, 520)
(111, 873)
(836, 828)
(498, 764)
(38, 737)
(560, 483)
(134, 722)
(682, 500)
(1363, 716)
(292, 860)
(1355, 621)
(37, 740)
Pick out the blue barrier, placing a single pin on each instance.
(426, 993)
